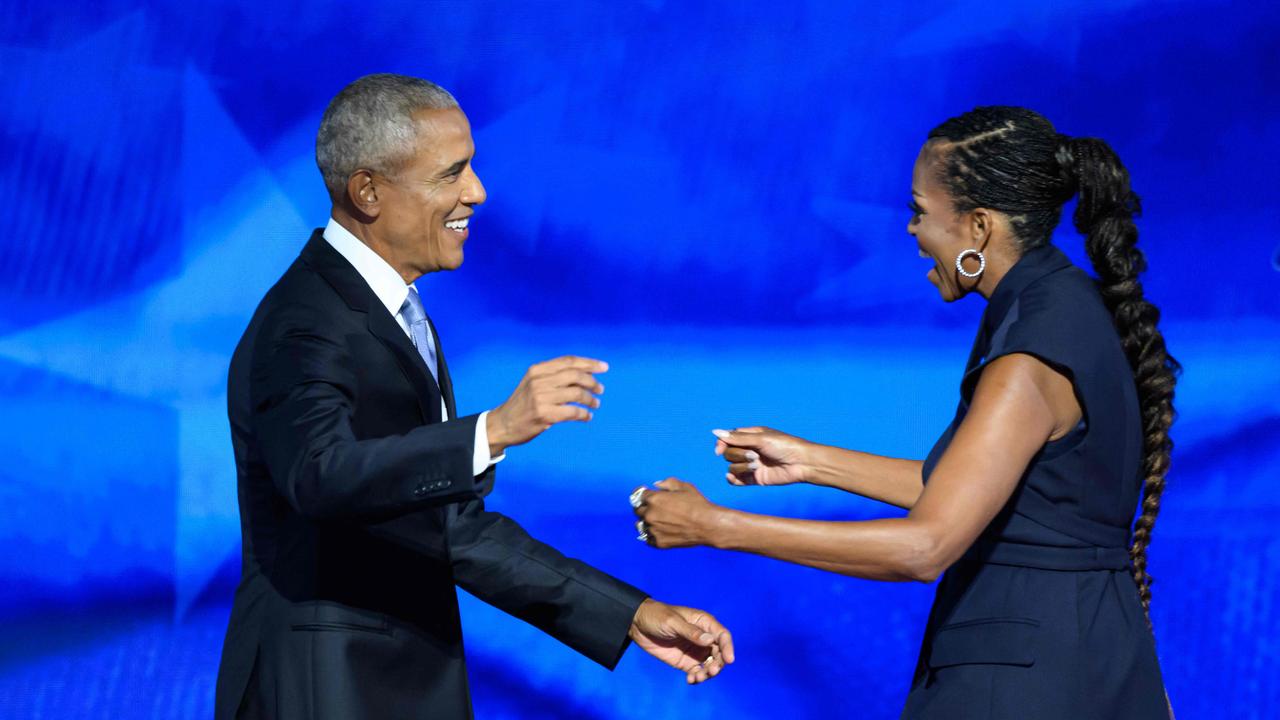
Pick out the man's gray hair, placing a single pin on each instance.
(369, 125)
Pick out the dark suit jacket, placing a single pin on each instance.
(359, 514)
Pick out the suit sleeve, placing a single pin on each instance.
(303, 395)
(494, 559)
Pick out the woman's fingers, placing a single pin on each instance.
(741, 455)
(672, 484)
(749, 438)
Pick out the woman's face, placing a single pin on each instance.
(941, 233)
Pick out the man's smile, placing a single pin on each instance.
(459, 226)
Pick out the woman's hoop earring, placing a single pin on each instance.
(982, 263)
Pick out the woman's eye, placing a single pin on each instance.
(915, 209)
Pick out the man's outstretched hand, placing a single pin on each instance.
(687, 639)
(555, 391)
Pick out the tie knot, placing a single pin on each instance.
(412, 309)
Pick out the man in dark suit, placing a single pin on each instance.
(361, 491)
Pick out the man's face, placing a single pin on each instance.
(425, 208)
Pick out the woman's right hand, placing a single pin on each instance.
(762, 456)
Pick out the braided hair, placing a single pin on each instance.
(1012, 160)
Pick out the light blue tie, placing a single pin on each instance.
(416, 317)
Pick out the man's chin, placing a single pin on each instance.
(452, 263)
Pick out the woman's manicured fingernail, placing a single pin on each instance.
(753, 455)
(722, 434)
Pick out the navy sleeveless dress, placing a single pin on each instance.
(1041, 618)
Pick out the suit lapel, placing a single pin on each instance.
(329, 263)
(415, 369)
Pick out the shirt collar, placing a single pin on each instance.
(383, 279)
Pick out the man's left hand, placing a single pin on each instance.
(687, 639)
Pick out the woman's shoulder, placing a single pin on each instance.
(1066, 292)
(1060, 318)
(1061, 304)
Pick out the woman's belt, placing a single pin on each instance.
(1048, 557)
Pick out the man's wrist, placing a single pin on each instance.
(635, 619)
(495, 430)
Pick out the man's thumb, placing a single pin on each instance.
(693, 633)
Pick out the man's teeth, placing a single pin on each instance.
(458, 225)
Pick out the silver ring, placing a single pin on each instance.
(637, 497)
(643, 530)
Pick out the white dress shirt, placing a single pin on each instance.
(391, 291)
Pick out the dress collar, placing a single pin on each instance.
(1033, 265)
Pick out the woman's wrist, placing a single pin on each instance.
(812, 463)
(719, 527)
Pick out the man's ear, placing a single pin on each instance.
(363, 192)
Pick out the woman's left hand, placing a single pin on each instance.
(677, 515)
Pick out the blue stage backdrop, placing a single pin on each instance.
(710, 196)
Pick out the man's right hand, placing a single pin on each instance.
(551, 392)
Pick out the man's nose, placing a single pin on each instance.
(473, 193)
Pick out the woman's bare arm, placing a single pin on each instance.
(1019, 404)
(889, 480)
(764, 456)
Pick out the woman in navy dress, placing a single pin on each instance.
(1026, 504)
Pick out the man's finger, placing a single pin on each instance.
(577, 362)
(573, 377)
(570, 413)
(713, 665)
(694, 634)
(724, 640)
(575, 395)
